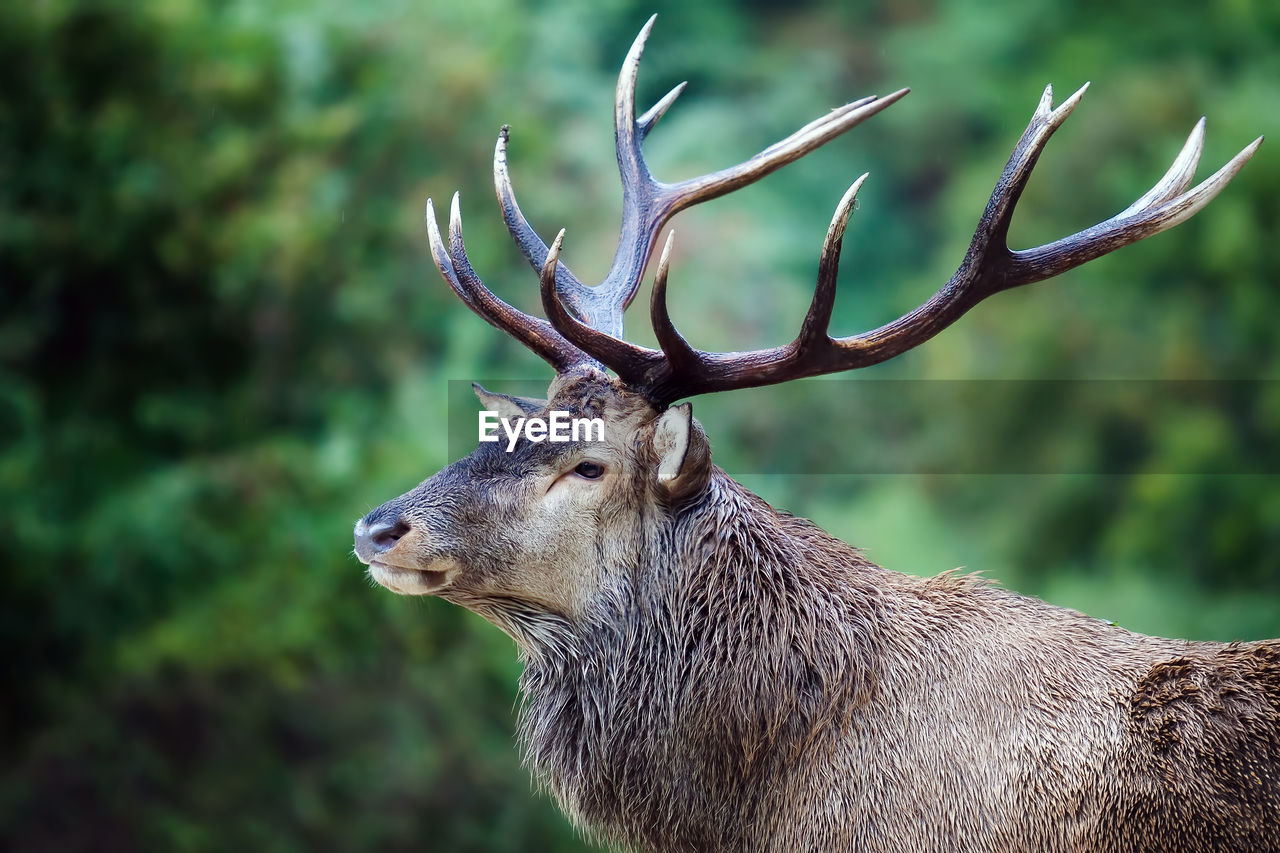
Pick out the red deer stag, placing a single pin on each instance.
(703, 672)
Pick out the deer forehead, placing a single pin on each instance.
(627, 413)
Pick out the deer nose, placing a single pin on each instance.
(374, 538)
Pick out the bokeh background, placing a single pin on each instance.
(222, 340)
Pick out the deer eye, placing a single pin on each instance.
(589, 470)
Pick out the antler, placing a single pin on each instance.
(989, 266)
(585, 327)
(647, 204)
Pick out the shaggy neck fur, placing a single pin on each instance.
(755, 684)
(657, 719)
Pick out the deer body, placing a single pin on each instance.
(839, 706)
(733, 678)
(703, 673)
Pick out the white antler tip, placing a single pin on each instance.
(1046, 101)
(665, 259)
(843, 210)
(1058, 116)
(637, 46)
(455, 212)
(553, 254)
(1246, 153)
(1196, 137)
(851, 195)
(1237, 162)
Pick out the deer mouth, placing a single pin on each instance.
(408, 581)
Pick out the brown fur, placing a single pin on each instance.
(703, 672)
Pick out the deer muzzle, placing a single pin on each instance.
(392, 550)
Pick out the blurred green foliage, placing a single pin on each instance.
(222, 340)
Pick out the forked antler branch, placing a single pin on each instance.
(989, 266)
(586, 322)
(647, 203)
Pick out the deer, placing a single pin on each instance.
(703, 672)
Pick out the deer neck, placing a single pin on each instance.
(707, 674)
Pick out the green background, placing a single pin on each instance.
(222, 340)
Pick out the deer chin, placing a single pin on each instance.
(407, 581)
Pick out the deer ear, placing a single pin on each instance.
(672, 436)
(506, 405)
(684, 456)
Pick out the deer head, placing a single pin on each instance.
(530, 536)
(537, 537)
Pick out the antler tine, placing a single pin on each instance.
(993, 228)
(626, 134)
(989, 266)
(1179, 176)
(680, 356)
(455, 266)
(646, 122)
(813, 135)
(597, 306)
(1165, 207)
(634, 364)
(814, 329)
(528, 241)
(649, 203)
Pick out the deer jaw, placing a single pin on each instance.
(526, 530)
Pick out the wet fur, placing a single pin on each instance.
(764, 687)
(740, 680)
